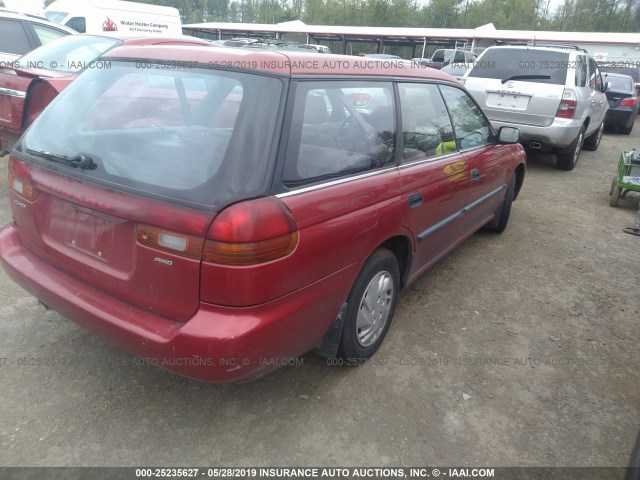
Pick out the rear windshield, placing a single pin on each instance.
(198, 137)
(619, 84)
(541, 66)
(632, 72)
(71, 53)
(442, 55)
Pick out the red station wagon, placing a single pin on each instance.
(217, 218)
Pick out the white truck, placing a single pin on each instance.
(97, 16)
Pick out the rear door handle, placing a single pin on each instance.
(415, 200)
(475, 175)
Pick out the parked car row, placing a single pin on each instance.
(446, 56)
(271, 43)
(218, 220)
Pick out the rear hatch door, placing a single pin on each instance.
(129, 167)
(106, 239)
(516, 85)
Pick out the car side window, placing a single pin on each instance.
(471, 127)
(46, 34)
(339, 129)
(581, 71)
(595, 79)
(13, 38)
(426, 127)
(79, 24)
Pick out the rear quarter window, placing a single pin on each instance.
(339, 129)
(47, 34)
(502, 63)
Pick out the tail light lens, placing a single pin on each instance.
(629, 102)
(22, 187)
(251, 232)
(41, 95)
(567, 107)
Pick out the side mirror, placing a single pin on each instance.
(508, 135)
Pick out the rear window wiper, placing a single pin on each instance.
(526, 77)
(77, 161)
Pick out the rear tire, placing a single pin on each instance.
(593, 141)
(627, 130)
(569, 159)
(370, 307)
(499, 223)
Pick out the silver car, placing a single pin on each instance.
(554, 95)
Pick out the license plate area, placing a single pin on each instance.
(508, 100)
(83, 229)
(88, 233)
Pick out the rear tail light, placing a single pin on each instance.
(22, 187)
(359, 99)
(251, 232)
(41, 95)
(629, 102)
(567, 107)
(185, 245)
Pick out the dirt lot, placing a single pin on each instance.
(520, 349)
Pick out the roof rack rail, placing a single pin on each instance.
(556, 45)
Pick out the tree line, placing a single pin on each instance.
(571, 15)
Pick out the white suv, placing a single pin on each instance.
(553, 94)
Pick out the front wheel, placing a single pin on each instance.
(370, 306)
(568, 159)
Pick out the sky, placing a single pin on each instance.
(27, 6)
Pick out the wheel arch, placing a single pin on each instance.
(401, 247)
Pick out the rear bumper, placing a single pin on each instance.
(622, 116)
(560, 134)
(218, 344)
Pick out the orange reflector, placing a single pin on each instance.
(249, 253)
(184, 245)
(23, 188)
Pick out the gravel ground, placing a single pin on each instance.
(515, 350)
